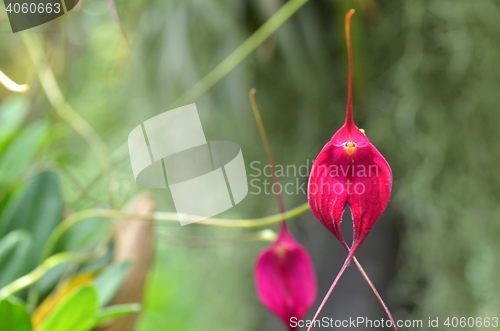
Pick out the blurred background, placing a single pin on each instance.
(426, 82)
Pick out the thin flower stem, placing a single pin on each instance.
(163, 217)
(38, 273)
(245, 49)
(349, 120)
(325, 299)
(367, 279)
(63, 108)
(269, 153)
(350, 258)
(365, 276)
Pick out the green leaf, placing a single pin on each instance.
(38, 211)
(113, 312)
(76, 313)
(81, 237)
(20, 153)
(109, 280)
(85, 234)
(13, 317)
(12, 112)
(14, 250)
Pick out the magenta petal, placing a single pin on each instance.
(349, 170)
(285, 277)
(363, 180)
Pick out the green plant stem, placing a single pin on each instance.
(266, 235)
(245, 49)
(36, 274)
(163, 217)
(64, 109)
(267, 147)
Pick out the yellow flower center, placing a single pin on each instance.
(280, 250)
(350, 147)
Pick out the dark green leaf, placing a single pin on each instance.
(14, 250)
(20, 153)
(38, 211)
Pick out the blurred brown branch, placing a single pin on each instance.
(133, 241)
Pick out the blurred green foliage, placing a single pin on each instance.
(440, 117)
(425, 91)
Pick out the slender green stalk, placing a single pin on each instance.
(266, 235)
(64, 109)
(36, 274)
(164, 217)
(245, 49)
(267, 147)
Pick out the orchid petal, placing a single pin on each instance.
(285, 277)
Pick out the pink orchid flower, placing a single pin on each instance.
(284, 273)
(285, 277)
(349, 170)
